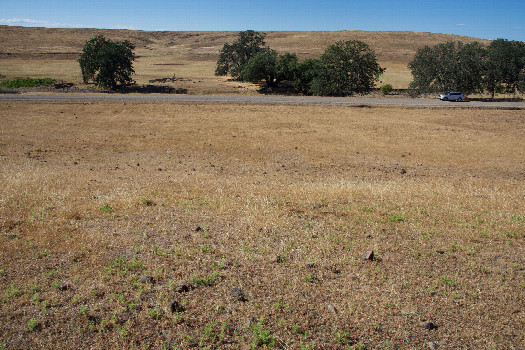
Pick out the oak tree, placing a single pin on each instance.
(234, 56)
(347, 67)
(107, 63)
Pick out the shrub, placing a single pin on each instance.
(386, 89)
(29, 82)
(32, 324)
(262, 337)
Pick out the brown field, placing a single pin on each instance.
(192, 56)
(281, 202)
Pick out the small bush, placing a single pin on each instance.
(386, 89)
(155, 313)
(33, 324)
(18, 83)
(396, 218)
(207, 280)
(107, 209)
(262, 337)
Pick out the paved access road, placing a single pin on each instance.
(264, 99)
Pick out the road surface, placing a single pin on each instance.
(264, 99)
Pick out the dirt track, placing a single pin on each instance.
(261, 99)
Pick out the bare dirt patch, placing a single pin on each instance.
(129, 225)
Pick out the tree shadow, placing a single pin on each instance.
(502, 99)
(8, 91)
(152, 89)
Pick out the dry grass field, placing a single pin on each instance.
(140, 225)
(191, 56)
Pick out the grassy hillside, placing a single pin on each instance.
(43, 52)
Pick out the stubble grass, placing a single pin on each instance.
(278, 201)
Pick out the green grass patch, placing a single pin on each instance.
(396, 218)
(106, 209)
(261, 337)
(32, 324)
(29, 82)
(206, 280)
(122, 265)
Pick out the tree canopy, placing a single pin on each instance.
(107, 63)
(505, 66)
(469, 67)
(347, 67)
(306, 72)
(448, 66)
(234, 56)
(269, 67)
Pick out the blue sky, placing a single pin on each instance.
(481, 18)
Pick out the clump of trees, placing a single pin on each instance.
(269, 67)
(106, 63)
(345, 67)
(472, 67)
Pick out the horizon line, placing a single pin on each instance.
(232, 30)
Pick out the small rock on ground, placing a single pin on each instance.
(182, 287)
(174, 306)
(249, 322)
(236, 292)
(369, 255)
(428, 325)
(335, 270)
(146, 279)
(63, 287)
(433, 345)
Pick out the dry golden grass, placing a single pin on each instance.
(279, 201)
(44, 52)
